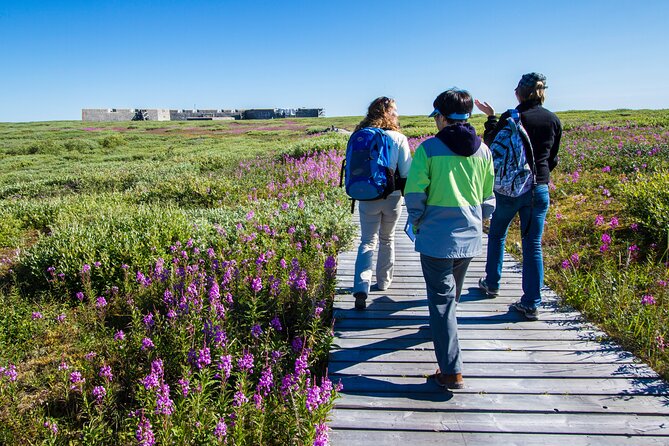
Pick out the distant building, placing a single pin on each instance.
(154, 114)
(124, 114)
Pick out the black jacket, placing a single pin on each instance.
(544, 130)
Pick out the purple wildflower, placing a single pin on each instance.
(99, 392)
(225, 365)
(648, 299)
(106, 373)
(246, 362)
(119, 335)
(321, 435)
(256, 331)
(101, 302)
(147, 343)
(221, 430)
(275, 323)
(164, 404)
(144, 433)
(36, 315)
(80, 296)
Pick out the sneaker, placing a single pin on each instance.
(378, 287)
(450, 381)
(360, 300)
(532, 314)
(490, 292)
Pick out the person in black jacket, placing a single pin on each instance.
(545, 131)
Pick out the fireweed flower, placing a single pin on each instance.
(221, 430)
(106, 373)
(52, 426)
(239, 399)
(80, 296)
(97, 264)
(275, 323)
(225, 365)
(90, 356)
(606, 169)
(185, 386)
(76, 380)
(266, 381)
(36, 315)
(606, 238)
(302, 363)
(99, 393)
(85, 269)
(246, 362)
(63, 366)
(203, 358)
(147, 344)
(321, 435)
(659, 340)
(60, 318)
(10, 372)
(648, 299)
(256, 331)
(119, 336)
(256, 284)
(634, 227)
(614, 222)
(164, 404)
(148, 321)
(144, 434)
(101, 302)
(599, 220)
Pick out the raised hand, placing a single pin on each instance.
(484, 107)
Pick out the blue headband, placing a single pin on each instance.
(458, 116)
(452, 116)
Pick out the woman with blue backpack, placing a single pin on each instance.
(544, 130)
(378, 217)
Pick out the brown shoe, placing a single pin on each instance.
(449, 380)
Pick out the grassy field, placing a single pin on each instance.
(173, 281)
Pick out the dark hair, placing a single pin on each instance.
(454, 100)
(378, 115)
(534, 93)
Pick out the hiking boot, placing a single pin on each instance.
(449, 380)
(360, 300)
(490, 292)
(531, 314)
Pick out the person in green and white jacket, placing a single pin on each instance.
(449, 192)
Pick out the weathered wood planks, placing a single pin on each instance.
(551, 382)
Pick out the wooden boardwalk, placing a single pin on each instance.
(549, 382)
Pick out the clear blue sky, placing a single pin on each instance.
(57, 57)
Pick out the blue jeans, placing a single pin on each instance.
(444, 279)
(532, 207)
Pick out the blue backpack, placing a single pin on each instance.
(367, 169)
(513, 175)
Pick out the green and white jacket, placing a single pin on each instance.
(449, 192)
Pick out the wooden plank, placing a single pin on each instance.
(399, 343)
(505, 402)
(552, 381)
(491, 333)
(349, 437)
(464, 323)
(498, 316)
(555, 386)
(490, 370)
(534, 423)
(391, 354)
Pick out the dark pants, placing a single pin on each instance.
(444, 279)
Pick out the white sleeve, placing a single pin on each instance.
(404, 160)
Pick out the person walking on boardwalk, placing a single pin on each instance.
(544, 130)
(448, 194)
(378, 218)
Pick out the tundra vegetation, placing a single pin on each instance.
(172, 282)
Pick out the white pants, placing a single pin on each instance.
(378, 219)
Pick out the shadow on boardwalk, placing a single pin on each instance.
(549, 382)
